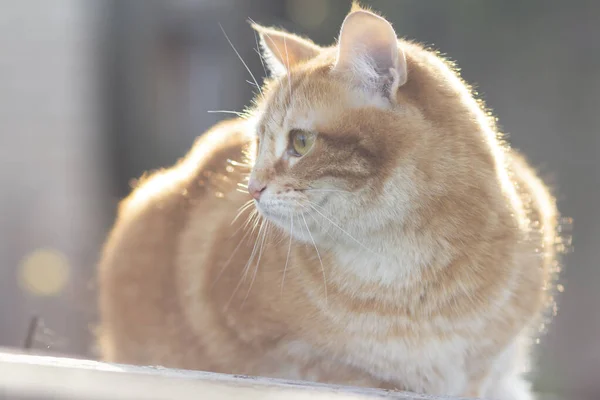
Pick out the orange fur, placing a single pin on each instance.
(425, 265)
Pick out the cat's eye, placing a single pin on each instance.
(301, 142)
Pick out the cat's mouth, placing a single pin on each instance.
(285, 208)
(282, 212)
(279, 210)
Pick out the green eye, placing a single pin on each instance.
(301, 142)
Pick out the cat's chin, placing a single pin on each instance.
(278, 210)
(273, 214)
(281, 217)
(288, 219)
(302, 227)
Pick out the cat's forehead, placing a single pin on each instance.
(300, 99)
(309, 100)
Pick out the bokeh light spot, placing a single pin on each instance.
(44, 272)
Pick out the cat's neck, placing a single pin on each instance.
(390, 256)
(395, 259)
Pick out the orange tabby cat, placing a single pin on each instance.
(394, 241)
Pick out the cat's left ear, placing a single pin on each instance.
(368, 52)
(282, 51)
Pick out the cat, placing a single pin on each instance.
(383, 234)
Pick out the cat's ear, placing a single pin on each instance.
(368, 52)
(282, 51)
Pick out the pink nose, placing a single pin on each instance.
(255, 188)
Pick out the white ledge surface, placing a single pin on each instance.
(26, 376)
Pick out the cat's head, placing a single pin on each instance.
(339, 143)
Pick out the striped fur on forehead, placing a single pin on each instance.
(311, 87)
(280, 98)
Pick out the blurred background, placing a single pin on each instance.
(94, 93)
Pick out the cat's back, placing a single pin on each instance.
(542, 218)
(139, 256)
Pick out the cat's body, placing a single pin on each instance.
(421, 248)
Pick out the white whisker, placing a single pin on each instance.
(249, 219)
(264, 237)
(245, 270)
(256, 221)
(326, 230)
(318, 255)
(243, 208)
(258, 52)
(241, 59)
(239, 114)
(287, 259)
(251, 258)
(253, 214)
(312, 205)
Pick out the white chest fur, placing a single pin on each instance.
(434, 366)
(424, 366)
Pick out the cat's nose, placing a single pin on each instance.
(255, 188)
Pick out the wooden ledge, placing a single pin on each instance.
(27, 376)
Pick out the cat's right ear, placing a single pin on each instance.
(368, 53)
(282, 51)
